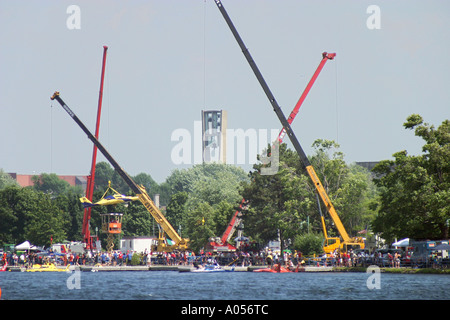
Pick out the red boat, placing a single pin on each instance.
(275, 269)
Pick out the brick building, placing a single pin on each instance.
(24, 180)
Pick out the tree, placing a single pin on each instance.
(69, 203)
(50, 183)
(137, 221)
(277, 204)
(31, 215)
(176, 210)
(222, 215)
(146, 180)
(349, 187)
(211, 186)
(104, 174)
(415, 190)
(11, 217)
(308, 243)
(200, 225)
(280, 204)
(6, 180)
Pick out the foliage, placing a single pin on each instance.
(410, 198)
(104, 174)
(207, 191)
(49, 183)
(6, 180)
(350, 187)
(308, 243)
(415, 190)
(135, 260)
(175, 210)
(280, 204)
(137, 221)
(51, 208)
(30, 215)
(200, 225)
(70, 204)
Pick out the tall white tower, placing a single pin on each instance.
(214, 128)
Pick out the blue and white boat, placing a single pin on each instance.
(211, 268)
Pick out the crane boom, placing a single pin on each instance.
(91, 178)
(235, 219)
(325, 57)
(287, 127)
(140, 191)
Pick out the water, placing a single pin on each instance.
(170, 285)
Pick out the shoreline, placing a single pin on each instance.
(178, 268)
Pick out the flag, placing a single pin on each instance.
(108, 200)
(363, 231)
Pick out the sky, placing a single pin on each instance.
(168, 60)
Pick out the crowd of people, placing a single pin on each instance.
(119, 258)
(362, 258)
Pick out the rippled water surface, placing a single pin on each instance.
(157, 285)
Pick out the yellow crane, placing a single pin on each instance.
(330, 244)
(141, 193)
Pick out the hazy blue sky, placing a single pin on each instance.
(168, 60)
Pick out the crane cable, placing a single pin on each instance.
(109, 187)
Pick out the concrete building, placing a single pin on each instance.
(214, 136)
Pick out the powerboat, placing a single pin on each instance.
(211, 268)
(49, 267)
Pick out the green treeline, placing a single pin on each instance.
(408, 196)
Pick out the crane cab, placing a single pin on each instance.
(112, 223)
(331, 244)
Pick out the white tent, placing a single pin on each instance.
(25, 246)
(401, 243)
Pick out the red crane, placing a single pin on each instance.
(91, 178)
(235, 219)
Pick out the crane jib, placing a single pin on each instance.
(304, 159)
(270, 96)
(102, 149)
(141, 193)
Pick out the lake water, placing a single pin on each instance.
(172, 285)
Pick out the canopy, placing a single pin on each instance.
(241, 239)
(442, 246)
(25, 246)
(401, 243)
